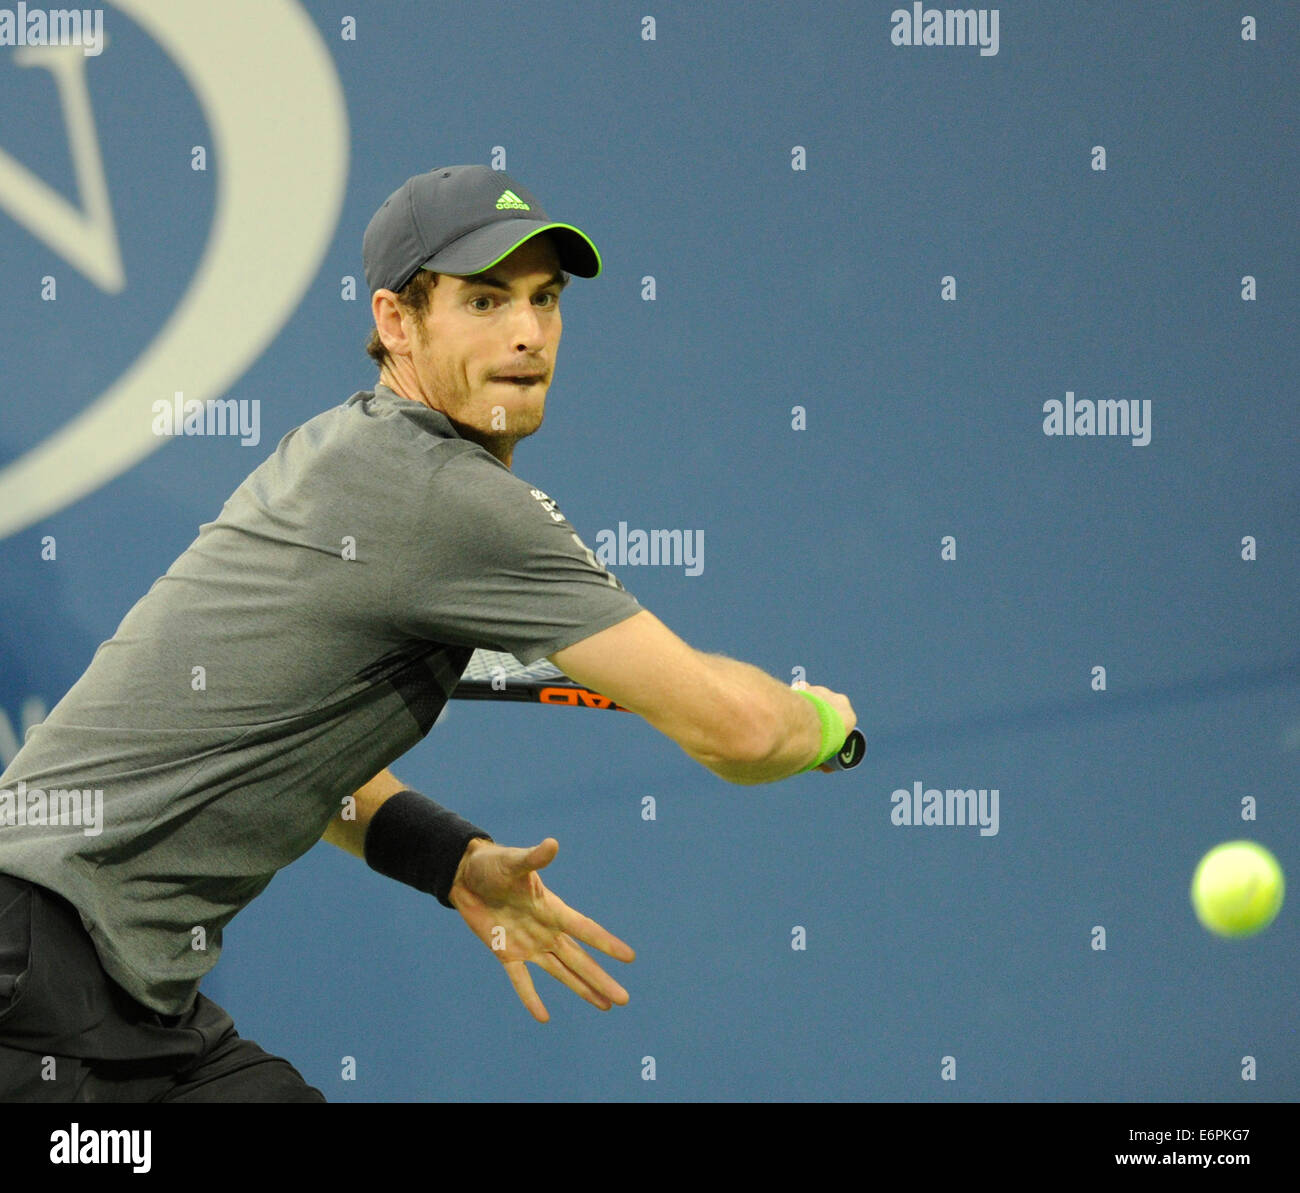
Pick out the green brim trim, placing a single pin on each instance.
(567, 228)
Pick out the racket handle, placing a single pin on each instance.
(853, 752)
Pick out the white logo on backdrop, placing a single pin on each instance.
(268, 88)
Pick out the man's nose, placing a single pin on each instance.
(526, 329)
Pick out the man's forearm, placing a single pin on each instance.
(350, 834)
(786, 734)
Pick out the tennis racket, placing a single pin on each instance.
(495, 675)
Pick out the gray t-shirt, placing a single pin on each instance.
(305, 640)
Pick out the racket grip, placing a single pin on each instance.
(853, 751)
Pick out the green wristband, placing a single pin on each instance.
(833, 732)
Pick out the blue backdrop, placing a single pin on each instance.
(844, 279)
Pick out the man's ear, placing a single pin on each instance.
(387, 312)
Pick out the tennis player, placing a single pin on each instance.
(250, 703)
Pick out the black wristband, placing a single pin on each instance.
(417, 842)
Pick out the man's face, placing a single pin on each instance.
(484, 351)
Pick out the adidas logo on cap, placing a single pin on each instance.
(509, 200)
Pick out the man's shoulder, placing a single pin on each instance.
(392, 456)
(375, 429)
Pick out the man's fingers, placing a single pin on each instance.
(570, 966)
(589, 972)
(585, 929)
(523, 985)
(591, 933)
(562, 973)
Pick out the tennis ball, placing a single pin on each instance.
(1237, 889)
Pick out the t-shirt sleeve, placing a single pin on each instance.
(491, 562)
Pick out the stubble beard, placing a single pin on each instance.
(501, 443)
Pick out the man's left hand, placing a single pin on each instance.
(504, 901)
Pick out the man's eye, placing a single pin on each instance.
(481, 303)
(548, 299)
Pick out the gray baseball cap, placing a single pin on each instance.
(462, 220)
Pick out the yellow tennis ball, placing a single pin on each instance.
(1237, 889)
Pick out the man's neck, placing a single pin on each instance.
(501, 447)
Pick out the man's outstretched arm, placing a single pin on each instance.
(732, 718)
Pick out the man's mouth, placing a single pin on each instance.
(522, 380)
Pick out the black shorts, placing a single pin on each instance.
(69, 1033)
